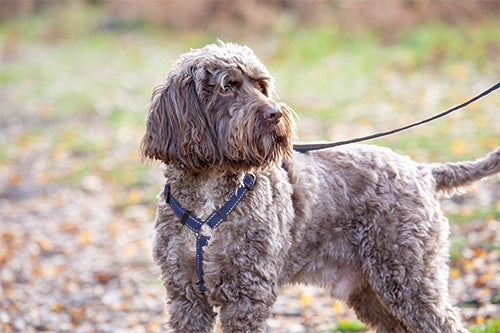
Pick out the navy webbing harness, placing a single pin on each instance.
(213, 221)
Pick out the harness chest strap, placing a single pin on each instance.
(195, 224)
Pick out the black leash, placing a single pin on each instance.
(315, 146)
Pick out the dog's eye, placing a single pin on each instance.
(225, 89)
(262, 88)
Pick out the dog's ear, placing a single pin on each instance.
(159, 126)
(178, 131)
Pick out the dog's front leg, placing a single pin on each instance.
(245, 297)
(245, 315)
(189, 310)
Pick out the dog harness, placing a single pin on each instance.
(196, 225)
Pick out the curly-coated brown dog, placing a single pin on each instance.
(359, 220)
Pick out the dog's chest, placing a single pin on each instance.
(213, 194)
(209, 205)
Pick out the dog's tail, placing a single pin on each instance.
(452, 175)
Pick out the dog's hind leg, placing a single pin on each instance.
(372, 312)
(405, 263)
(419, 310)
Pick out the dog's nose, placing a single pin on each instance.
(272, 114)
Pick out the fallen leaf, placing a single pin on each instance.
(455, 273)
(338, 307)
(57, 307)
(85, 237)
(15, 178)
(135, 196)
(305, 299)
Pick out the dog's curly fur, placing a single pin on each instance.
(359, 220)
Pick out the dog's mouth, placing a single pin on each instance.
(262, 146)
(274, 142)
(256, 139)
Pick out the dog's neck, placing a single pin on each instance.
(202, 192)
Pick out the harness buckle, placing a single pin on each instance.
(221, 214)
(185, 217)
(166, 193)
(249, 181)
(205, 231)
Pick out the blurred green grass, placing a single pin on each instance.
(76, 81)
(490, 326)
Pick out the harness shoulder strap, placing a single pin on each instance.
(195, 224)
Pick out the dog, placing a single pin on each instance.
(359, 220)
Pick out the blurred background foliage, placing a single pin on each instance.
(76, 76)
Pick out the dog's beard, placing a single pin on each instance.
(275, 141)
(253, 143)
(271, 149)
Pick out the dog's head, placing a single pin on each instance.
(216, 109)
